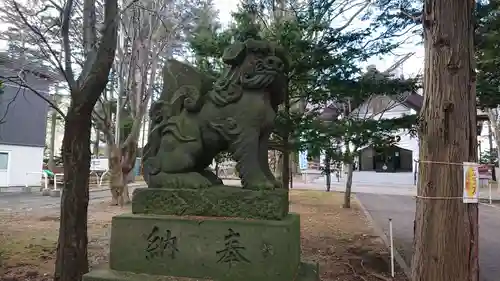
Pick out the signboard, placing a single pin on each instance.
(303, 165)
(99, 164)
(484, 172)
(471, 183)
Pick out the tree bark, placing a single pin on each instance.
(446, 249)
(285, 169)
(492, 162)
(493, 122)
(71, 256)
(116, 179)
(71, 262)
(328, 173)
(95, 150)
(121, 163)
(348, 187)
(53, 124)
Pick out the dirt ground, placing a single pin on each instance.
(340, 240)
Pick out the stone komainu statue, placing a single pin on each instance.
(198, 116)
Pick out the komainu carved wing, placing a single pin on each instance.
(183, 86)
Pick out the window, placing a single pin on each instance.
(4, 160)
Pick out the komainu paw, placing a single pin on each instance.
(190, 180)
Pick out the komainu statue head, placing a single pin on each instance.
(256, 65)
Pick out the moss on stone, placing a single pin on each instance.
(218, 201)
(226, 249)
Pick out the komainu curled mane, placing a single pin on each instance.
(198, 116)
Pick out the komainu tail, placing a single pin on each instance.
(183, 89)
(184, 86)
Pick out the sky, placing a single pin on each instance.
(411, 67)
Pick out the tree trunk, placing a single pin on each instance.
(116, 177)
(294, 164)
(490, 142)
(446, 249)
(53, 124)
(348, 187)
(121, 164)
(285, 169)
(96, 143)
(118, 180)
(126, 191)
(493, 118)
(71, 262)
(328, 173)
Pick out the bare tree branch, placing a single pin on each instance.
(22, 84)
(353, 17)
(66, 16)
(7, 107)
(103, 60)
(89, 29)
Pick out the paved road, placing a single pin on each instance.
(402, 211)
(15, 202)
(23, 202)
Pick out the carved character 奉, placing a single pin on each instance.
(198, 116)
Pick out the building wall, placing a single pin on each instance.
(24, 165)
(385, 108)
(23, 113)
(407, 141)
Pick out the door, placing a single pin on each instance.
(4, 168)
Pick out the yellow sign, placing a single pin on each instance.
(471, 183)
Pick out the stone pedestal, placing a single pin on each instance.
(151, 245)
(55, 193)
(217, 201)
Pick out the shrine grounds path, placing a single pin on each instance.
(402, 211)
(17, 202)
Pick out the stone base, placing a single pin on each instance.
(217, 201)
(46, 192)
(55, 193)
(307, 272)
(223, 249)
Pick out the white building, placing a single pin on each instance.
(397, 166)
(399, 163)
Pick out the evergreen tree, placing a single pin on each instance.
(325, 69)
(487, 42)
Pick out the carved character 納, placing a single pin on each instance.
(158, 243)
